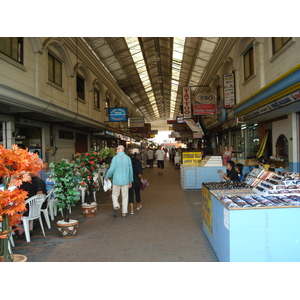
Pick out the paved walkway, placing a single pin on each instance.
(167, 229)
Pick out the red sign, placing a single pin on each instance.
(186, 96)
(204, 109)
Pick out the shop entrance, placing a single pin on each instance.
(282, 147)
(81, 144)
(30, 137)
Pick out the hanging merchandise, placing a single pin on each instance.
(262, 146)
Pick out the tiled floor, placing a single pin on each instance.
(167, 229)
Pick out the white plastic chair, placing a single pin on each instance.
(52, 205)
(82, 189)
(46, 210)
(82, 192)
(35, 203)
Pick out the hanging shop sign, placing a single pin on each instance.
(187, 107)
(136, 122)
(180, 120)
(171, 121)
(290, 99)
(153, 132)
(206, 98)
(204, 109)
(197, 135)
(118, 114)
(180, 127)
(144, 129)
(229, 90)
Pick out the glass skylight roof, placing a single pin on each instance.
(137, 56)
(178, 48)
(207, 47)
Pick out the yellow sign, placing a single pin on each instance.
(207, 209)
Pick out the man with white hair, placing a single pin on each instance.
(121, 170)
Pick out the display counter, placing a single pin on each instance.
(193, 175)
(243, 226)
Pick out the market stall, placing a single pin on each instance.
(258, 221)
(194, 171)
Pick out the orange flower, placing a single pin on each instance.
(15, 164)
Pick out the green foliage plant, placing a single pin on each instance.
(65, 186)
(107, 155)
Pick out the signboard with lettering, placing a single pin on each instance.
(136, 122)
(187, 107)
(206, 98)
(204, 109)
(180, 120)
(229, 94)
(290, 99)
(207, 209)
(117, 114)
(145, 129)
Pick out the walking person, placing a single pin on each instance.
(121, 170)
(160, 156)
(137, 182)
(150, 157)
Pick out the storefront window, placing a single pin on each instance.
(30, 137)
(252, 141)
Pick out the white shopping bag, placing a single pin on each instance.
(106, 185)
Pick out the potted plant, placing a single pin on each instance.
(88, 165)
(66, 194)
(107, 155)
(14, 167)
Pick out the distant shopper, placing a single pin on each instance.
(263, 163)
(160, 156)
(231, 174)
(150, 157)
(121, 170)
(137, 182)
(36, 152)
(144, 155)
(45, 171)
(227, 153)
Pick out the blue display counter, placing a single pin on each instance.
(192, 177)
(251, 234)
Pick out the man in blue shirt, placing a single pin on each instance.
(121, 170)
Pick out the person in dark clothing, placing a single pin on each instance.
(40, 187)
(231, 174)
(34, 187)
(239, 170)
(137, 182)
